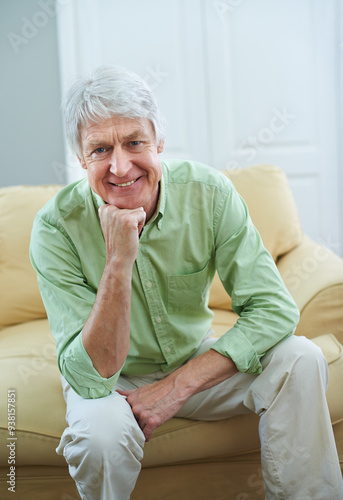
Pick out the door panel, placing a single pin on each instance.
(239, 83)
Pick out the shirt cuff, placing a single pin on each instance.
(77, 368)
(234, 344)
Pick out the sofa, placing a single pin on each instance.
(185, 460)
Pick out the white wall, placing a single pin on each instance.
(202, 58)
(31, 139)
(240, 82)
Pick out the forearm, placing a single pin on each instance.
(201, 373)
(106, 333)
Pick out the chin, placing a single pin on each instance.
(123, 204)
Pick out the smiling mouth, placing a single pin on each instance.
(124, 184)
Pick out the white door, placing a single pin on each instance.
(240, 82)
(278, 62)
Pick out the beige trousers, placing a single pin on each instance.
(103, 444)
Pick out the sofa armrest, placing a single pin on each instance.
(314, 276)
(333, 352)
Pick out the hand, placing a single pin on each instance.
(121, 229)
(153, 404)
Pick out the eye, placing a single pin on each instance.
(99, 150)
(135, 143)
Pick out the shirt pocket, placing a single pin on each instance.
(188, 292)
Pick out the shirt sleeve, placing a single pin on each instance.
(68, 301)
(267, 312)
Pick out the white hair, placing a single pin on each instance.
(108, 91)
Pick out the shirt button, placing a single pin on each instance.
(148, 284)
(168, 349)
(158, 319)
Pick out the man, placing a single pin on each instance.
(124, 263)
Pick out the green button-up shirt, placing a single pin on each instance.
(201, 224)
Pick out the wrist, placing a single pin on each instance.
(185, 383)
(118, 267)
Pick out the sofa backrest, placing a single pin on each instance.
(264, 187)
(271, 205)
(272, 208)
(19, 294)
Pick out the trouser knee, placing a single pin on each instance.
(302, 359)
(309, 357)
(102, 438)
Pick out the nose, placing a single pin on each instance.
(120, 163)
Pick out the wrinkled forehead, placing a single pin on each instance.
(119, 126)
(116, 129)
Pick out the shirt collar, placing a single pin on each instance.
(97, 201)
(161, 199)
(159, 212)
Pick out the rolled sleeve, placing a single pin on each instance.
(236, 346)
(77, 368)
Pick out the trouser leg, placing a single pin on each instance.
(298, 452)
(103, 445)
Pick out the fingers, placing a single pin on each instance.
(121, 229)
(109, 215)
(124, 393)
(146, 419)
(105, 209)
(148, 427)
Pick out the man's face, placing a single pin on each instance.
(121, 157)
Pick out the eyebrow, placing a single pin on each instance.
(131, 137)
(135, 135)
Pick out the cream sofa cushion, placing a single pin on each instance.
(272, 209)
(28, 364)
(19, 294)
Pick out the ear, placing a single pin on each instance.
(82, 163)
(160, 147)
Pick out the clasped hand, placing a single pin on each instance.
(153, 404)
(121, 229)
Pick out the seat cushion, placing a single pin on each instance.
(223, 321)
(19, 294)
(28, 364)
